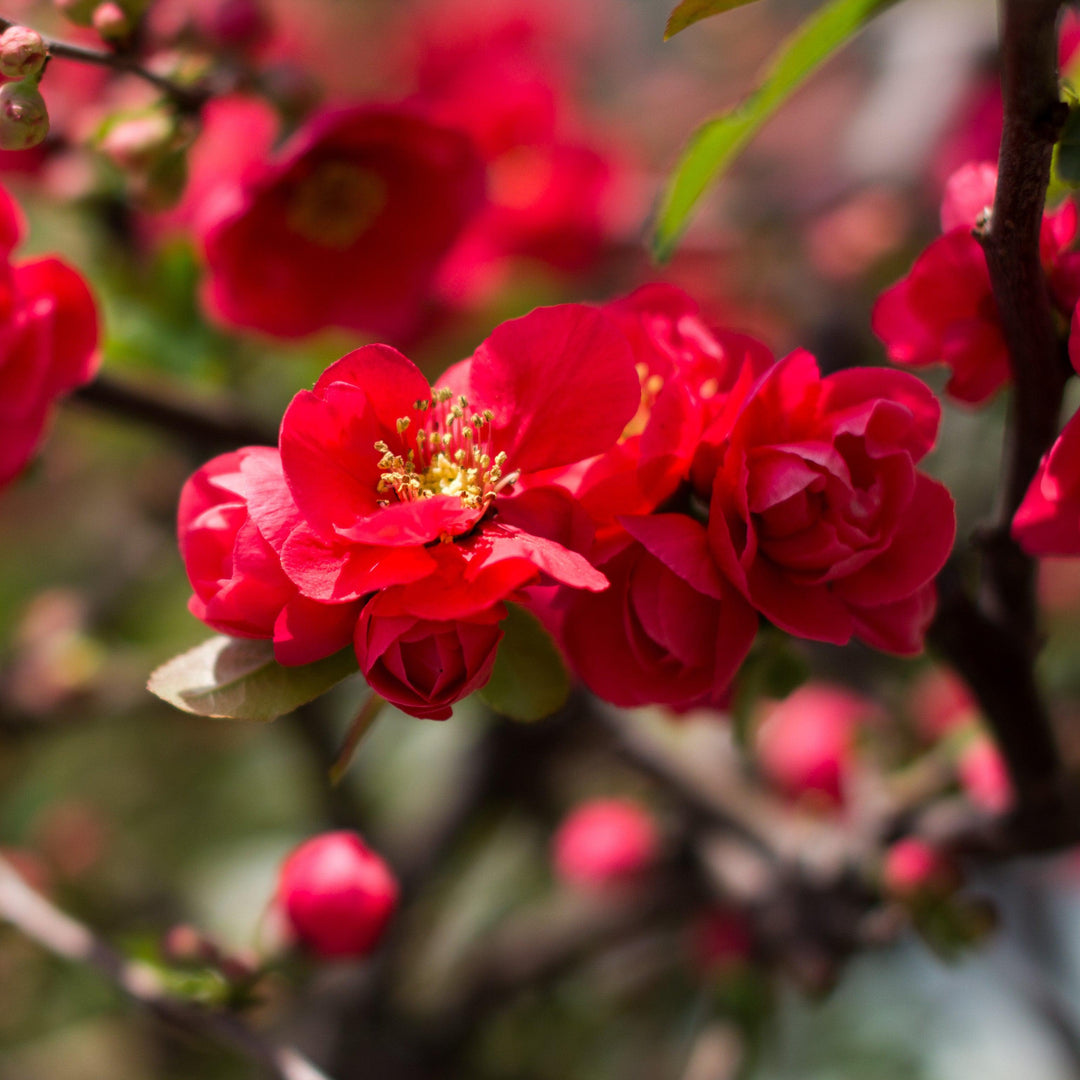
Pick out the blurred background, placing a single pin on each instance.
(139, 819)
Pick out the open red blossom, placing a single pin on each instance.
(48, 342)
(1048, 520)
(669, 630)
(340, 228)
(688, 375)
(235, 570)
(944, 310)
(818, 513)
(381, 464)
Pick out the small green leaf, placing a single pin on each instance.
(1067, 151)
(718, 141)
(239, 679)
(692, 11)
(530, 680)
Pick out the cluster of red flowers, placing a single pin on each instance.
(339, 227)
(570, 464)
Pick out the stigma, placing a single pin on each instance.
(449, 454)
(336, 203)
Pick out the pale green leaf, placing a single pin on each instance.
(239, 679)
(718, 141)
(692, 11)
(529, 681)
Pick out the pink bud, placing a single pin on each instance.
(940, 703)
(806, 743)
(605, 841)
(111, 21)
(136, 142)
(337, 895)
(24, 119)
(984, 776)
(22, 52)
(721, 941)
(913, 868)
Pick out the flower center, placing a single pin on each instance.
(336, 203)
(449, 455)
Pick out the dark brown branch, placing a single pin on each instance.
(205, 428)
(63, 936)
(993, 639)
(187, 98)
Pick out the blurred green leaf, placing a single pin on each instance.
(239, 679)
(718, 141)
(530, 680)
(692, 11)
(774, 669)
(1067, 151)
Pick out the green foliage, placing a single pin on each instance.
(1067, 151)
(692, 11)
(530, 680)
(718, 141)
(774, 669)
(239, 679)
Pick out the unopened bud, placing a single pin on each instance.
(22, 52)
(916, 870)
(24, 119)
(112, 22)
(137, 142)
(80, 12)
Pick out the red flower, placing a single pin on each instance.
(1048, 520)
(380, 464)
(818, 514)
(337, 894)
(669, 630)
(944, 310)
(689, 375)
(605, 842)
(48, 342)
(235, 570)
(341, 228)
(806, 743)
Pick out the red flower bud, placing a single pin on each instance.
(22, 52)
(604, 842)
(984, 777)
(914, 869)
(337, 895)
(111, 21)
(24, 119)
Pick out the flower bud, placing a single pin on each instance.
(112, 22)
(604, 842)
(22, 52)
(337, 895)
(721, 941)
(984, 776)
(914, 870)
(139, 141)
(24, 119)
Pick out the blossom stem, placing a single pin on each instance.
(60, 934)
(186, 98)
(360, 726)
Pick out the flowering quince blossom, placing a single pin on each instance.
(340, 228)
(818, 514)
(337, 895)
(415, 500)
(944, 310)
(48, 342)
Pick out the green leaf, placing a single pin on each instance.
(1067, 151)
(239, 679)
(692, 11)
(718, 141)
(530, 680)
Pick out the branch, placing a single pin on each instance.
(203, 427)
(62, 935)
(186, 98)
(993, 639)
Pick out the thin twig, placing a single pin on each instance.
(205, 428)
(59, 933)
(187, 98)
